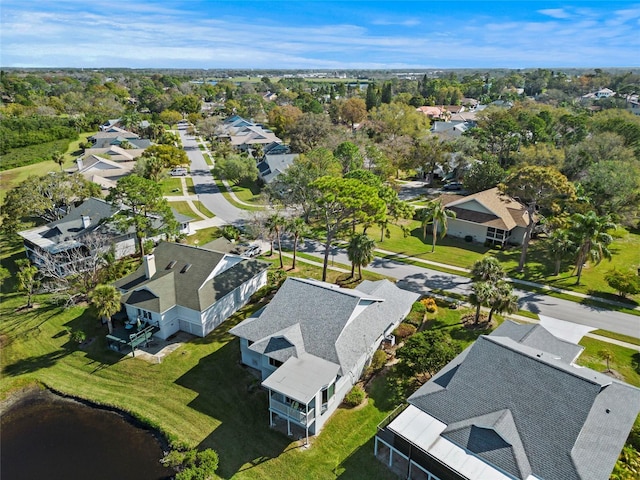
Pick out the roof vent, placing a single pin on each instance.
(185, 268)
(172, 264)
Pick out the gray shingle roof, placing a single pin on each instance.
(191, 287)
(324, 315)
(566, 422)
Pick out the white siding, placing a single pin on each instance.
(461, 228)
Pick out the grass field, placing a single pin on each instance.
(232, 201)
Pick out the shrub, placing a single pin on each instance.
(429, 304)
(418, 307)
(404, 330)
(355, 396)
(230, 232)
(78, 336)
(379, 360)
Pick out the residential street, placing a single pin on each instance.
(422, 280)
(412, 277)
(205, 187)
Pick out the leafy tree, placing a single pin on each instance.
(353, 110)
(427, 352)
(338, 200)
(436, 214)
(597, 148)
(298, 228)
(149, 167)
(499, 133)
(28, 281)
(537, 187)
(349, 156)
(395, 119)
(559, 245)
(293, 187)
(590, 232)
(360, 252)
(483, 176)
(58, 157)
(372, 96)
(614, 187)
(624, 282)
(47, 197)
(502, 299)
(144, 209)
(427, 154)
(169, 155)
(187, 104)
(309, 132)
(480, 297)
(208, 127)
(487, 269)
(282, 118)
(607, 355)
(106, 301)
(170, 117)
(236, 169)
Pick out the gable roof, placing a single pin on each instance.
(527, 412)
(336, 324)
(491, 208)
(66, 232)
(192, 277)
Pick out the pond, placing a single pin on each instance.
(46, 436)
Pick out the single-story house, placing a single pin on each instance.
(273, 165)
(72, 238)
(105, 172)
(117, 136)
(487, 216)
(511, 406)
(116, 153)
(184, 288)
(244, 134)
(312, 342)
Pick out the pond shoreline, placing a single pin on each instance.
(37, 391)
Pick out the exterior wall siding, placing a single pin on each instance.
(460, 229)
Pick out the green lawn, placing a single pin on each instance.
(248, 192)
(184, 209)
(232, 201)
(171, 186)
(453, 251)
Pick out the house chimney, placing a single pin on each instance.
(149, 265)
(86, 221)
(80, 163)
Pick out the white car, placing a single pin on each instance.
(178, 172)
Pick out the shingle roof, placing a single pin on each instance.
(187, 282)
(491, 208)
(566, 422)
(336, 324)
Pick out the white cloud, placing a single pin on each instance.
(555, 13)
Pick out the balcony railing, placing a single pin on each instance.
(295, 414)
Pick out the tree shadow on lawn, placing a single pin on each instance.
(635, 362)
(363, 464)
(230, 394)
(85, 322)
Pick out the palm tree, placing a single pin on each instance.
(559, 244)
(503, 299)
(487, 269)
(298, 228)
(106, 300)
(591, 235)
(58, 157)
(275, 224)
(436, 213)
(482, 293)
(360, 252)
(606, 355)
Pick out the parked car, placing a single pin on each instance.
(178, 172)
(452, 186)
(252, 251)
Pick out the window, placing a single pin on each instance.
(249, 342)
(495, 233)
(327, 393)
(274, 363)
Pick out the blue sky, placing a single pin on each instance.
(319, 34)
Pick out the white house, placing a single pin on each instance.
(312, 342)
(486, 216)
(184, 288)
